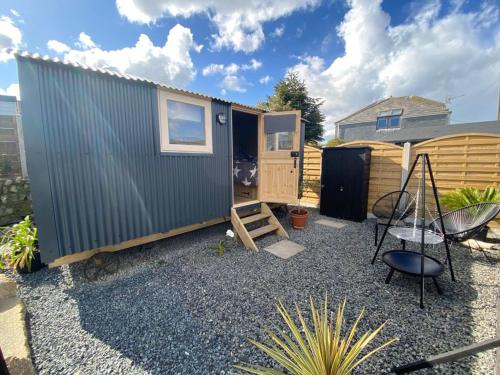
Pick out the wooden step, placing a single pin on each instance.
(254, 218)
(241, 205)
(263, 230)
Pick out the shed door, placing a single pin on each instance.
(345, 173)
(279, 157)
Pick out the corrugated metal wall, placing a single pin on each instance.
(94, 161)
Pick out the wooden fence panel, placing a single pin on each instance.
(464, 160)
(311, 176)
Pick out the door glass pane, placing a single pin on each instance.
(186, 123)
(285, 140)
(279, 141)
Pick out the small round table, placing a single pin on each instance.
(415, 235)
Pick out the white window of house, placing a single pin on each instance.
(185, 123)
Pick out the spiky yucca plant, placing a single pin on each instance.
(318, 351)
(467, 196)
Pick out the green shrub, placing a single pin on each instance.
(220, 248)
(18, 245)
(334, 142)
(319, 351)
(467, 196)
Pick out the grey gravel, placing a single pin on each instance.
(177, 308)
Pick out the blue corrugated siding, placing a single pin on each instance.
(93, 152)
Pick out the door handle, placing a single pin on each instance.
(295, 154)
(294, 163)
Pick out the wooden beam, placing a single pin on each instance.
(83, 255)
(242, 108)
(242, 232)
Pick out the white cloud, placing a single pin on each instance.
(428, 55)
(213, 69)
(278, 31)
(231, 81)
(57, 46)
(264, 80)
(254, 65)
(15, 13)
(169, 64)
(12, 90)
(85, 41)
(10, 37)
(239, 22)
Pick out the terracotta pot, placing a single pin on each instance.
(299, 218)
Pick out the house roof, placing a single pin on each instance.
(412, 106)
(130, 77)
(419, 134)
(8, 98)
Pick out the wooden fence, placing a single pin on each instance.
(311, 176)
(10, 161)
(464, 160)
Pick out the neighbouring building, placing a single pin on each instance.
(12, 161)
(406, 119)
(15, 196)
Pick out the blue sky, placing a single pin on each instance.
(349, 52)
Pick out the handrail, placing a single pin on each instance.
(448, 356)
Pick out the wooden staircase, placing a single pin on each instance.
(245, 214)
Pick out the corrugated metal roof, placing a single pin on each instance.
(55, 60)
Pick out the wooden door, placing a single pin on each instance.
(280, 140)
(344, 183)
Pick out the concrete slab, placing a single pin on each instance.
(7, 287)
(330, 223)
(284, 249)
(13, 337)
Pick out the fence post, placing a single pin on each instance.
(405, 162)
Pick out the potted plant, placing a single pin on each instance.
(18, 247)
(299, 215)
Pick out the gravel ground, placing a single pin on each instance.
(177, 308)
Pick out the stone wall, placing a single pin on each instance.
(15, 200)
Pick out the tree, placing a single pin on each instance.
(333, 142)
(291, 93)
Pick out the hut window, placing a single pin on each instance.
(185, 123)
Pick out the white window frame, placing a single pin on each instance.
(165, 145)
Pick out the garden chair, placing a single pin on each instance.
(467, 222)
(383, 207)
